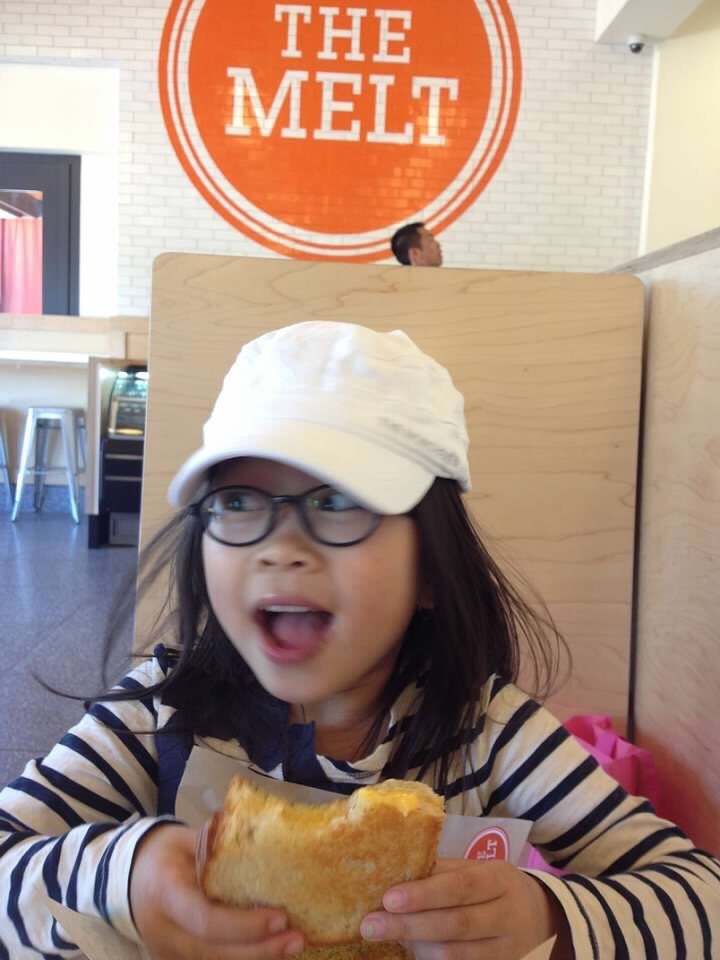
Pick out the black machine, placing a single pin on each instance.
(121, 458)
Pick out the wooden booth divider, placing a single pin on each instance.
(677, 688)
(550, 366)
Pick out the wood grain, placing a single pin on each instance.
(678, 672)
(550, 368)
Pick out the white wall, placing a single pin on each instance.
(683, 186)
(24, 385)
(568, 195)
(73, 109)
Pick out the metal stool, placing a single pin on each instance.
(39, 421)
(4, 465)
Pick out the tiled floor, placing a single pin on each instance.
(54, 599)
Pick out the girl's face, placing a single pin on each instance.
(319, 626)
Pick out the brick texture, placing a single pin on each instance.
(567, 196)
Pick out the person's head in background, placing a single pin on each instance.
(414, 246)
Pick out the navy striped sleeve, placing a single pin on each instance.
(70, 823)
(633, 885)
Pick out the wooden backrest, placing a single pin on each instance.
(550, 366)
(678, 672)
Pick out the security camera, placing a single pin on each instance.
(636, 42)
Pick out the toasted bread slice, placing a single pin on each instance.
(327, 865)
(357, 951)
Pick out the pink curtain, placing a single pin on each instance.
(21, 265)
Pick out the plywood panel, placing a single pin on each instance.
(550, 368)
(677, 705)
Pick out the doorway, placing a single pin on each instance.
(39, 233)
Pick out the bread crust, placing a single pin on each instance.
(327, 865)
(362, 950)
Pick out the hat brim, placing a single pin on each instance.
(376, 477)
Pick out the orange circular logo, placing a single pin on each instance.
(318, 129)
(490, 844)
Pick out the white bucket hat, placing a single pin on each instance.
(367, 412)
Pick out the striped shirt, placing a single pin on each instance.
(635, 885)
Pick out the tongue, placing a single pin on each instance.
(298, 631)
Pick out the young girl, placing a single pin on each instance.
(339, 622)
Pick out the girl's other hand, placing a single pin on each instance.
(471, 911)
(177, 922)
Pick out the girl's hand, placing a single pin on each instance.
(177, 922)
(470, 911)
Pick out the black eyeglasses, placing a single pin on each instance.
(241, 516)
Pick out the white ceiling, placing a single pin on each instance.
(656, 19)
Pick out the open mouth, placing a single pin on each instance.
(291, 632)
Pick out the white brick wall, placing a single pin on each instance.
(568, 194)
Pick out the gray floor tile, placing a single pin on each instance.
(55, 595)
(12, 763)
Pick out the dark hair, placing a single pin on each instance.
(476, 625)
(404, 239)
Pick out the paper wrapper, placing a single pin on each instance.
(202, 792)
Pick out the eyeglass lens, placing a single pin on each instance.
(244, 515)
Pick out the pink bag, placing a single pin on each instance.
(633, 767)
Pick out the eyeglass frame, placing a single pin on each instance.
(276, 501)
